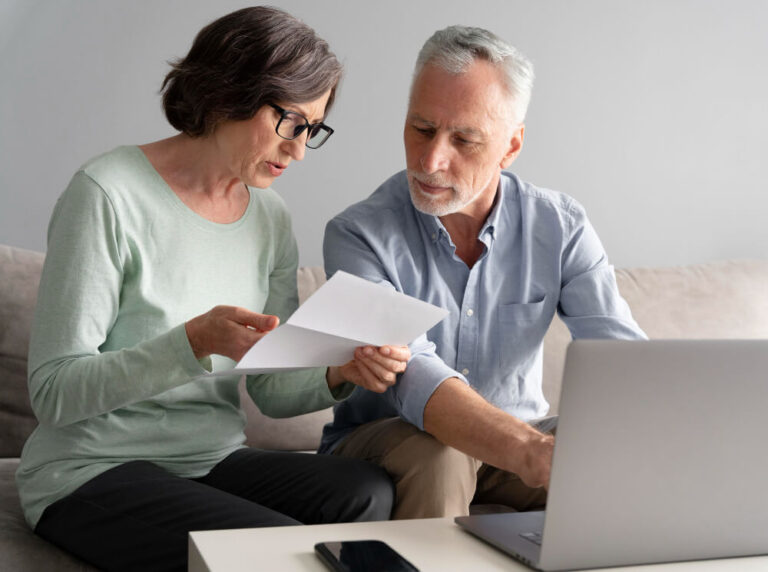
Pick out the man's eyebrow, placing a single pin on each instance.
(469, 131)
(420, 119)
(466, 130)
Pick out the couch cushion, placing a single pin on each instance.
(718, 300)
(300, 433)
(21, 549)
(20, 271)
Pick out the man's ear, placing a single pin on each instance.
(515, 146)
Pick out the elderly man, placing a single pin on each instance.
(502, 255)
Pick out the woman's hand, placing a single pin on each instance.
(228, 330)
(373, 368)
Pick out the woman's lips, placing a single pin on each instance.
(276, 168)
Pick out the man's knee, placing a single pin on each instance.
(422, 457)
(432, 479)
(405, 451)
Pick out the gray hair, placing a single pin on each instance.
(455, 48)
(243, 61)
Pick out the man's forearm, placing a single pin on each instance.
(459, 417)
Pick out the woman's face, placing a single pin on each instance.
(254, 151)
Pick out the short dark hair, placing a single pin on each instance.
(243, 61)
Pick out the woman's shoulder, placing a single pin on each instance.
(123, 176)
(122, 163)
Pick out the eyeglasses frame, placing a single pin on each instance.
(307, 126)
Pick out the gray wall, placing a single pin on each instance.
(653, 114)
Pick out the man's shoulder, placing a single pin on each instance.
(385, 205)
(541, 199)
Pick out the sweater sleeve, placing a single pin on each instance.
(70, 377)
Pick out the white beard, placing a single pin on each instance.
(438, 206)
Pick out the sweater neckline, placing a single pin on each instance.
(182, 207)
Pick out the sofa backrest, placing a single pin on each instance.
(19, 278)
(716, 300)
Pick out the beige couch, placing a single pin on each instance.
(718, 300)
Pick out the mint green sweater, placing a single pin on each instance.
(110, 366)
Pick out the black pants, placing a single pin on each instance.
(137, 516)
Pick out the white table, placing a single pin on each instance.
(430, 544)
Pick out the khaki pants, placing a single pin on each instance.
(432, 479)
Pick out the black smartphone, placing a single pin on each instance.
(362, 556)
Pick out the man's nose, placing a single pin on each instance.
(435, 156)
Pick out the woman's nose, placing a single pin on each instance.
(296, 147)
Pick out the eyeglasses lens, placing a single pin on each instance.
(291, 126)
(317, 136)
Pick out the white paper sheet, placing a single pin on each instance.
(344, 313)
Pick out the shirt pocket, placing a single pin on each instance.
(521, 330)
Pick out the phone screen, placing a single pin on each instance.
(362, 556)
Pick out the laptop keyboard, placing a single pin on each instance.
(534, 537)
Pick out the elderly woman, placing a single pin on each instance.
(167, 261)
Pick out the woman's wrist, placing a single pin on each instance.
(333, 377)
(191, 330)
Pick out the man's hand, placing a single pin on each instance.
(537, 461)
(228, 330)
(373, 368)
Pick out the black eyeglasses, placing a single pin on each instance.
(293, 124)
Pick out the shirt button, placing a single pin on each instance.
(470, 312)
(434, 236)
(465, 371)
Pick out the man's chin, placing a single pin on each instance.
(430, 206)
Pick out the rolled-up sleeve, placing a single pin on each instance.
(424, 374)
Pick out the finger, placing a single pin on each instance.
(396, 353)
(260, 322)
(389, 364)
(399, 353)
(239, 340)
(370, 380)
(383, 374)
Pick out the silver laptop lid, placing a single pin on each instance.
(660, 453)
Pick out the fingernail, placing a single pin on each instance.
(386, 351)
(368, 351)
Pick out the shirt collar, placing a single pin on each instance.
(432, 224)
(436, 230)
(492, 222)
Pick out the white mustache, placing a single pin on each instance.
(431, 180)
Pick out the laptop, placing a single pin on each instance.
(661, 455)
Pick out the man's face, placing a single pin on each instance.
(459, 134)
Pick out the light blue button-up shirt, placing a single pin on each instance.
(541, 256)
